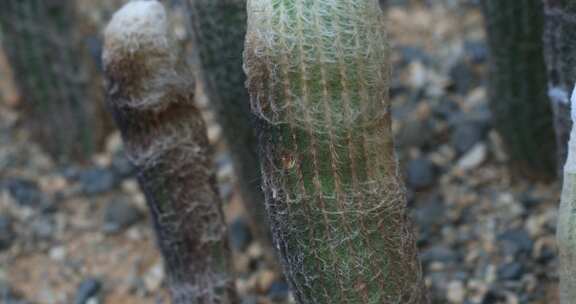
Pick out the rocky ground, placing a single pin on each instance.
(81, 234)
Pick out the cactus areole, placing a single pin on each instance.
(318, 73)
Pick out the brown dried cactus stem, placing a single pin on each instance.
(150, 93)
(318, 77)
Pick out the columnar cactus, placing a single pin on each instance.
(318, 74)
(518, 88)
(55, 76)
(218, 28)
(151, 95)
(567, 220)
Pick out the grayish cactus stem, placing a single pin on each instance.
(151, 95)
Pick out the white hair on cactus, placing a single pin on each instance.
(140, 24)
(570, 166)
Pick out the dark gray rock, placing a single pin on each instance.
(25, 192)
(416, 133)
(278, 291)
(96, 181)
(463, 77)
(7, 235)
(43, 227)
(120, 215)
(240, 234)
(88, 289)
(516, 242)
(420, 173)
(476, 51)
(440, 254)
(466, 135)
(121, 166)
(511, 271)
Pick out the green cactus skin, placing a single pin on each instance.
(318, 78)
(518, 90)
(218, 28)
(151, 95)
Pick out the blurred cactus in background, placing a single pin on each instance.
(518, 88)
(56, 77)
(560, 54)
(217, 29)
(318, 75)
(150, 92)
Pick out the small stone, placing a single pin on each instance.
(120, 215)
(154, 277)
(44, 227)
(58, 253)
(476, 51)
(6, 233)
(420, 173)
(511, 271)
(463, 77)
(456, 292)
(473, 158)
(278, 291)
(240, 234)
(430, 214)
(415, 133)
(439, 253)
(121, 166)
(96, 181)
(466, 135)
(25, 192)
(516, 242)
(88, 290)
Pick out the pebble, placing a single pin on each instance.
(96, 181)
(456, 292)
(516, 242)
(473, 158)
(439, 253)
(466, 135)
(415, 133)
(87, 291)
(25, 192)
(154, 277)
(120, 215)
(278, 291)
(511, 271)
(240, 234)
(6, 233)
(420, 173)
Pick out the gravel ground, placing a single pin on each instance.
(81, 234)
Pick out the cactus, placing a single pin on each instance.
(151, 95)
(567, 220)
(54, 75)
(560, 54)
(218, 28)
(518, 89)
(318, 73)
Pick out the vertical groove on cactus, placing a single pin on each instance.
(50, 67)
(218, 28)
(151, 95)
(318, 79)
